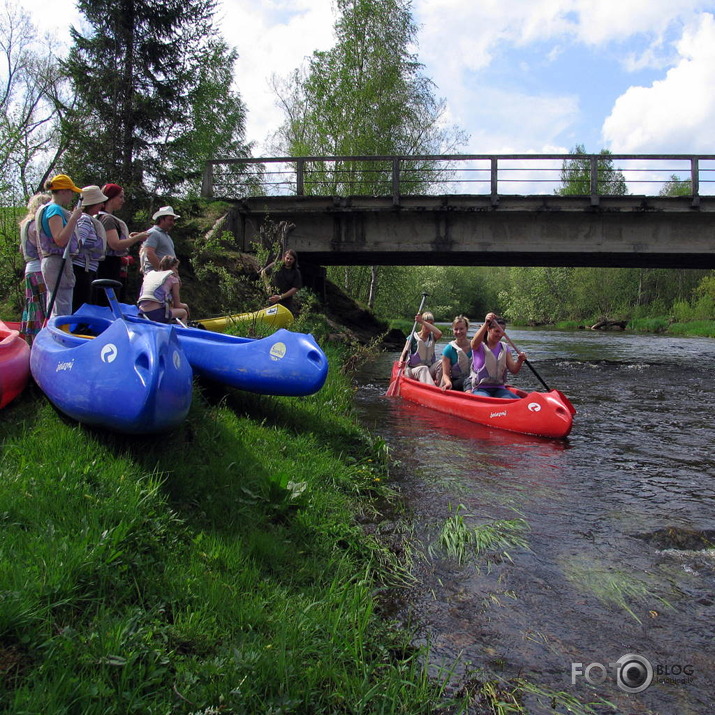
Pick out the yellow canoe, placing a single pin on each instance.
(277, 316)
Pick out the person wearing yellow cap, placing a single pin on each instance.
(57, 238)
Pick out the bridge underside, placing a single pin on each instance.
(623, 231)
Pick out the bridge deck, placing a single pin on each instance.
(646, 231)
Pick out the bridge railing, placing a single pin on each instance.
(469, 174)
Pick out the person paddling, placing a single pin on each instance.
(491, 358)
(456, 357)
(422, 363)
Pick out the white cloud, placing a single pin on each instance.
(272, 38)
(675, 114)
(458, 42)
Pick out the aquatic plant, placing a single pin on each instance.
(612, 587)
(459, 540)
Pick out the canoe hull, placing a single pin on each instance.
(284, 363)
(277, 316)
(14, 363)
(544, 414)
(129, 378)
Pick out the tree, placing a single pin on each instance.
(30, 89)
(366, 96)
(675, 186)
(576, 175)
(143, 75)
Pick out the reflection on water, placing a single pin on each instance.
(608, 570)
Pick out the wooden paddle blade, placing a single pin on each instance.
(394, 389)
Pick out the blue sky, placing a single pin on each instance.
(537, 76)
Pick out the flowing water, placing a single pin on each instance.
(620, 516)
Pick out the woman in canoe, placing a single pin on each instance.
(491, 358)
(422, 364)
(33, 314)
(55, 229)
(456, 359)
(159, 299)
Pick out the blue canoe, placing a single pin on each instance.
(285, 363)
(115, 374)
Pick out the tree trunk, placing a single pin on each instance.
(373, 287)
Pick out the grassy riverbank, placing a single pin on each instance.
(693, 328)
(218, 569)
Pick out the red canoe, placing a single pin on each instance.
(546, 414)
(14, 364)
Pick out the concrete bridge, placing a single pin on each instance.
(490, 210)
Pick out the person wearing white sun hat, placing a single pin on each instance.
(159, 243)
(92, 246)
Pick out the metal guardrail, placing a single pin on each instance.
(469, 174)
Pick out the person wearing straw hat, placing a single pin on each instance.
(92, 246)
(56, 238)
(159, 243)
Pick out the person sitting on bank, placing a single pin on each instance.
(422, 364)
(159, 299)
(158, 243)
(491, 358)
(456, 361)
(286, 281)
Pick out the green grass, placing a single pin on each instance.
(701, 328)
(489, 541)
(649, 325)
(220, 568)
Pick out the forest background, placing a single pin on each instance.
(146, 95)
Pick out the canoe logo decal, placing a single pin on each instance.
(109, 353)
(177, 359)
(62, 366)
(498, 414)
(534, 407)
(277, 351)
(271, 311)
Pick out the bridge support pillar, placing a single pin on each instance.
(314, 277)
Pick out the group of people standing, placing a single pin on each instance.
(479, 365)
(65, 250)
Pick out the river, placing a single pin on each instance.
(617, 521)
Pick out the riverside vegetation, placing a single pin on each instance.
(221, 568)
(247, 562)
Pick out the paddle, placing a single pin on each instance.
(65, 254)
(394, 389)
(565, 399)
(528, 364)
